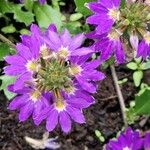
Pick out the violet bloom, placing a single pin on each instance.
(53, 75)
(106, 14)
(144, 47)
(130, 140)
(64, 111)
(110, 44)
(28, 102)
(40, 1)
(147, 141)
(25, 63)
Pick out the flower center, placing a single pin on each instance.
(63, 52)
(147, 38)
(75, 70)
(60, 105)
(126, 148)
(54, 75)
(114, 14)
(45, 52)
(32, 66)
(114, 35)
(35, 95)
(70, 89)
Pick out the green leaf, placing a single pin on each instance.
(132, 66)
(28, 4)
(8, 29)
(123, 3)
(16, 9)
(4, 7)
(142, 104)
(22, 16)
(7, 80)
(80, 7)
(45, 15)
(137, 77)
(99, 136)
(146, 65)
(122, 81)
(73, 27)
(4, 50)
(24, 31)
(75, 16)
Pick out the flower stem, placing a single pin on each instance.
(7, 41)
(119, 93)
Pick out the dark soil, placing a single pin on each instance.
(104, 115)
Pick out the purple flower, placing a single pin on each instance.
(29, 102)
(55, 78)
(64, 111)
(106, 14)
(110, 44)
(130, 140)
(147, 141)
(40, 1)
(144, 47)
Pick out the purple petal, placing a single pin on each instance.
(86, 85)
(120, 55)
(20, 82)
(116, 3)
(81, 52)
(52, 27)
(107, 4)
(76, 42)
(66, 38)
(93, 75)
(35, 30)
(104, 26)
(79, 103)
(106, 53)
(143, 50)
(24, 51)
(76, 114)
(39, 106)
(91, 65)
(18, 102)
(147, 141)
(15, 59)
(65, 121)
(55, 39)
(14, 70)
(97, 7)
(26, 111)
(52, 120)
(25, 40)
(85, 95)
(42, 2)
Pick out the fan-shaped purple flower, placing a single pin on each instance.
(106, 14)
(147, 141)
(130, 140)
(54, 75)
(144, 47)
(110, 44)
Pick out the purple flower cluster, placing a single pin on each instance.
(55, 78)
(106, 14)
(114, 23)
(130, 140)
